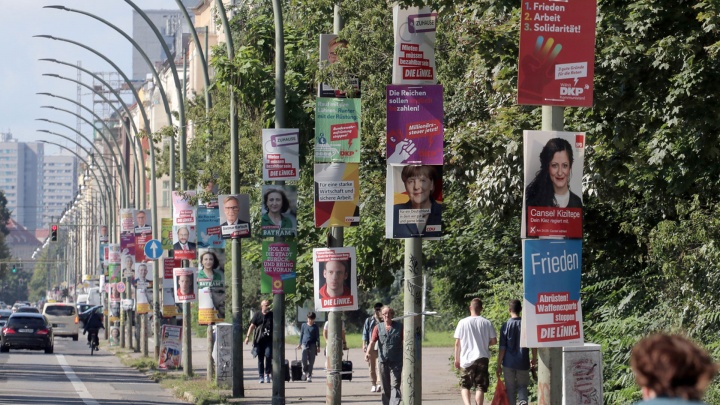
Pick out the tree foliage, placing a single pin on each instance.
(651, 182)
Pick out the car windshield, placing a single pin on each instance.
(5, 313)
(21, 321)
(64, 310)
(28, 309)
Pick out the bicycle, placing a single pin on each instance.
(94, 341)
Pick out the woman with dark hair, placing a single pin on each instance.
(671, 370)
(276, 204)
(211, 272)
(419, 184)
(551, 185)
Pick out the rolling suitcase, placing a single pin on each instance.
(286, 370)
(296, 369)
(347, 368)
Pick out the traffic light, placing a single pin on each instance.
(53, 232)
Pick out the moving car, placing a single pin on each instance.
(4, 314)
(63, 318)
(28, 309)
(27, 331)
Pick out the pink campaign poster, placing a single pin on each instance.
(415, 131)
(557, 53)
(414, 53)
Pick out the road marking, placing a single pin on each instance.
(76, 382)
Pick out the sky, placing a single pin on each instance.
(21, 73)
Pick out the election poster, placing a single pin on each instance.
(168, 291)
(184, 212)
(279, 259)
(166, 233)
(281, 154)
(552, 310)
(170, 347)
(414, 201)
(142, 304)
(557, 53)
(552, 203)
(184, 242)
(335, 275)
(414, 54)
(329, 46)
(185, 284)
(211, 286)
(415, 132)
(279, 211)
(127, 220)
(103, 234)
(337, 130)
(208, 228)
(337, 194)
(234, 216)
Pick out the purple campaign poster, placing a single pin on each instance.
(415, 124)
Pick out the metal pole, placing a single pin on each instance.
(333, 344)
(278, 359)
(238, 389)
(550, 359)
(412, 333)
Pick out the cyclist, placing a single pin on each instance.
(93, 323)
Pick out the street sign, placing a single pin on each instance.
(153, 249)
(120, 287)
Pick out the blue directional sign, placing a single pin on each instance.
(153, 249)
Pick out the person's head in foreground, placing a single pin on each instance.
(671, 366)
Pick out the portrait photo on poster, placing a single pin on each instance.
(184, 238)
(143, 276)
(335, 275)
(552, 203)
(234, 215)
(279, 208)
(211, 271)
(185, 284)
(143, 222)
(414, 201)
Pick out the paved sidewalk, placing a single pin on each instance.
(439, 384)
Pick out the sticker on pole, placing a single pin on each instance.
(120, 287)
(153, 249)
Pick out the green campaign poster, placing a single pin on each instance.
(337, 130)
(279, 260)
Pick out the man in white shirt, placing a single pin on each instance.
(473, 337)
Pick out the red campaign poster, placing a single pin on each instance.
(557, 53)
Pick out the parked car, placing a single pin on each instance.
(28, 309)
(26, 330)
(63, 318)
(4, 314)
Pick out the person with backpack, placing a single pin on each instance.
(370, 322)
(264, 321)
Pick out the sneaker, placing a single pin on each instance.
(261, 380)
(379, 388)
(373, 389)
(268, 379)
(309, 379)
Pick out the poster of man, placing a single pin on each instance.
(414, 202)
(330, 45)
(335, 276)
(235, 216)
(184, 246)
(279, 207)
(143, 277)
(143, 222)
(103, 234)
(552, 204)
(185, 285)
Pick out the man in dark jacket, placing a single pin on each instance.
(93, 323)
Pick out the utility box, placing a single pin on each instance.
(582, 375)
(222, 354)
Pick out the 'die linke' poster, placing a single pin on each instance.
(415, 124)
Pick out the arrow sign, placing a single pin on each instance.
(153, 249)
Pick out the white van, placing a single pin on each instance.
(94, 296)
(63, 317)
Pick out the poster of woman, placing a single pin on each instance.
(279, 205)
(552, 204)
(414, 202)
